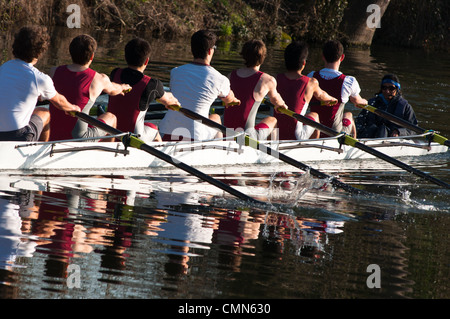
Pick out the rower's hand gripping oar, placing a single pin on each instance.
(261, 147)
(324, 103)
(348, 140)
(139, 144)
(399, 121)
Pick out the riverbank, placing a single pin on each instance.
(405, 23)
(161, 18)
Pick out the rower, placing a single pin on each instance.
(21, 85)
(130, 109)
(196, 85)
(82, 86)
(298, 90)
(251, 86)
(337, 84)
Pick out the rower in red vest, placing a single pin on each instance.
(250, 86)
(131, 108)
(81, 85)
(297, 90)
(337, 84)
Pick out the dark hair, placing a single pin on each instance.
(82, 48)
(254, 53)
(137, 51)
(332, 51)
(30, 42)
(201, 42)
(295, 55)
(393, 79)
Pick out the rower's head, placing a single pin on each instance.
(137, 52)
(201, 42)
(254, 53)
(333, 51)
(30, 43)
(295, 55)
(82, 49)
(390, 86)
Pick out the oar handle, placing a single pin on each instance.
(230, 104)
(174, 107)
(324, 103)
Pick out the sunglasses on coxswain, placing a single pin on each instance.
(391, 88)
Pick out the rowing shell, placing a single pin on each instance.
(76, 157)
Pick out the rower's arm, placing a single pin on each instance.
(275, 97)
(230, 99)
(102, 84)
(358, 100)
(168, 99)
(60, 102)
(320, 94)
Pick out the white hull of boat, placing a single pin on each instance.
(71, 157)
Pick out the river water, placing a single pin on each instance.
(169, 236)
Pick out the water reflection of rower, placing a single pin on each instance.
(307, 234)
(12, 245)
(234, 235)
(184, 233)
(13, 241)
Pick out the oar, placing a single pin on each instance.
(403, 123)
(348, 140)
(261, 147)
(139, 144)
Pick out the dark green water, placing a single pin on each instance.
(162, 236)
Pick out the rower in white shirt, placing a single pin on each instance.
(196, 86)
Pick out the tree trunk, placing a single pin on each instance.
(361, 19)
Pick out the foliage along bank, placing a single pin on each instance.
(413, 23)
